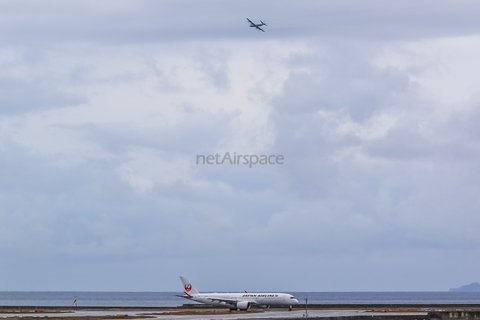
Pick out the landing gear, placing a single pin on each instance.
(289, 308)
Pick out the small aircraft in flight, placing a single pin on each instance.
(253, 25)
(242, 301)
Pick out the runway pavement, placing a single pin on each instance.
(229, 316)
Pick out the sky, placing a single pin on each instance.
(106, 106)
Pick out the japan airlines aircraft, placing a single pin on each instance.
(242, 301)
(253, 25)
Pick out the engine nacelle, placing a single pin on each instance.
(243, 305)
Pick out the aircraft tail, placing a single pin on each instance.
(188, 287)
(263, 23)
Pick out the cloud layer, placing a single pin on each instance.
(104, 108)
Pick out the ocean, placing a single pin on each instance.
(167, 299)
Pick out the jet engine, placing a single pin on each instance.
(243, 305)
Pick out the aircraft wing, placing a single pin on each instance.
(259, 28)
(229, 301)
(235, 301)
(251, 23)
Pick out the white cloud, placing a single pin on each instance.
(445, 69)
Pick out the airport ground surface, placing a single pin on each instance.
(195, 312)
(273, 314)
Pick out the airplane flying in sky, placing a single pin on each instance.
(253, 25)
(241, 301)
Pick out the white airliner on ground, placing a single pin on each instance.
(242, 301)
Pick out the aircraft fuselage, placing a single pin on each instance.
(253, 298)
(242, 301)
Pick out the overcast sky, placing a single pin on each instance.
(104, 107)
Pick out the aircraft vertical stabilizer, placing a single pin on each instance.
(188, 287)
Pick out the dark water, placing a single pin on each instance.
(167, 299)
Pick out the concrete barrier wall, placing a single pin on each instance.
(454, 315)
(367, 317)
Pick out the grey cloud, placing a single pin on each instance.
(86, 210)
(416, 138)
(342, 205)
(198, 132)
(21, 96)
(151, 21)
(341, 80)
(352, 90)
(404, 143)
(381, 204)
(214, 63)
(37, 196)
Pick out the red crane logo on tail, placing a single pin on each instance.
(188, 287)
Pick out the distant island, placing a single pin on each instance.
(474, 287)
